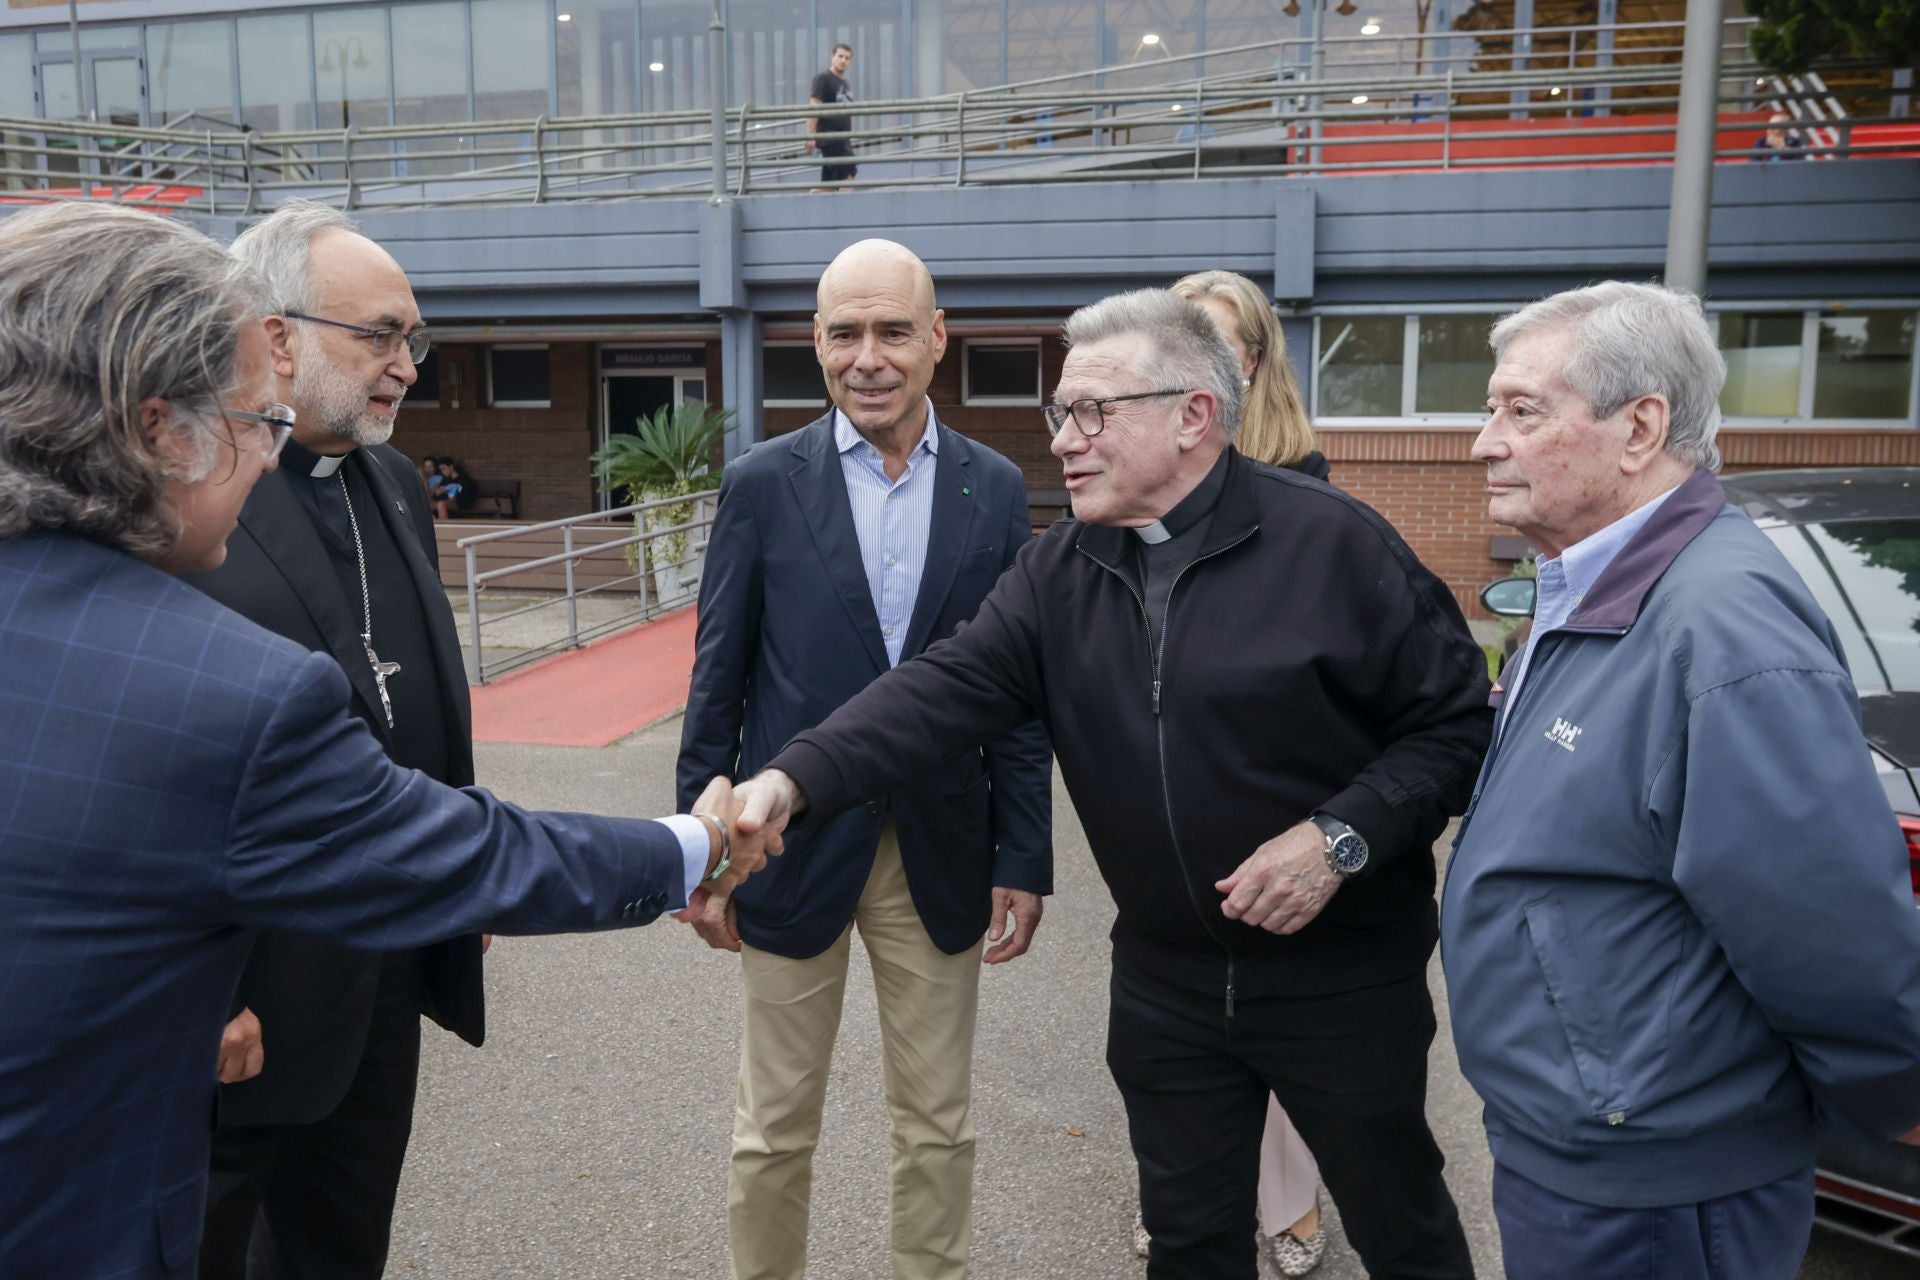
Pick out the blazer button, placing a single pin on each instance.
(873, 806)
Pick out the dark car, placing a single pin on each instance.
(1854, 535)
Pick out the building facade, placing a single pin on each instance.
(559, 323)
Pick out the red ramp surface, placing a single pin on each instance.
(595, 696)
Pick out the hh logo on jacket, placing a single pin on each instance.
(1562, 734)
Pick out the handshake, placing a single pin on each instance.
(747, 822)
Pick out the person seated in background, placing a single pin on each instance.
(1780, 141)
(452, 491)
(430, 475)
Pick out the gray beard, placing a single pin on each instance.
(336, 404)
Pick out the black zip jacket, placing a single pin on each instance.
(1310, 663)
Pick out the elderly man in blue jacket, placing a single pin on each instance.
(1677, 926)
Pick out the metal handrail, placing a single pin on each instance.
(1036, 131)
(636, 547)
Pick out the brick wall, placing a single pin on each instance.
(1421, 479)
(546, 450)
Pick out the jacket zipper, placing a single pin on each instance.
(1156, 653)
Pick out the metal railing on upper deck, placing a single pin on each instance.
(1586, 95)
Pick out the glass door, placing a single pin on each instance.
(113, 85)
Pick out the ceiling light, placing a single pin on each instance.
(566, 17)
(1178, 106)
(656, 66)
(1150, 38)
(1372, 28)
(1359, 99)
(1554, 92)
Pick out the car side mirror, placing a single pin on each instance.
(1510, 597)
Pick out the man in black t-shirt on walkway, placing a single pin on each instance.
(830, 87)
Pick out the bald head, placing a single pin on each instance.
(878, 335)
(874, 264)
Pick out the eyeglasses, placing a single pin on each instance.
(1090, 415)
(277, 419)
(385, 341)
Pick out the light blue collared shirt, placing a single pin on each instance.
(893, 520)
(1565, 580)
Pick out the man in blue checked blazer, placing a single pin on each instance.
(836, 554)
(173, 777)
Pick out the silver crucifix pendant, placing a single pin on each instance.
(381, 670)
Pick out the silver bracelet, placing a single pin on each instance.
(725, 833)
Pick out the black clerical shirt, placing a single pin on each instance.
(418, 738)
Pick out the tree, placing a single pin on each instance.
(1794, 34)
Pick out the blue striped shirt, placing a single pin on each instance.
(893, 519)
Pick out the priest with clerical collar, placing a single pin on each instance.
(336, 551)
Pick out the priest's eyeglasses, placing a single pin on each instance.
(385, 341)
(1090, 415)
(276, 418)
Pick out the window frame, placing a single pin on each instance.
(493, 403)
(1802, 420)
(824, 403)
(972, 401)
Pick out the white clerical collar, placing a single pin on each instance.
(1153, 534)
(324, 466)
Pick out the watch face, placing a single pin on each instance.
(1349, 853)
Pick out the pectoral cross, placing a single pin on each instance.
(381, 671)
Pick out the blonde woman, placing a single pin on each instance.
(1274, 429)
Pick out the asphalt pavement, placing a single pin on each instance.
(588, 1139)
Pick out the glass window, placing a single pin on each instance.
(350, 65)
(1142, 35)
(773, 57)
(60, 41)
(274, 57)
(509, 61)
(425, 391)
(597, 58)
(1050, 38)
(1864, 366)
(517, 378)
(792, 375)
(16, 77)
(1763, 363)
(673, 37)
(190, 70)
(1455, 363)
(960, 46)
(1360, 362)
(430, 81)
(1865, 575)
(1001, 372)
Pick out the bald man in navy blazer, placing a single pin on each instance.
(837, 553)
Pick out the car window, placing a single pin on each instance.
(1866, 575)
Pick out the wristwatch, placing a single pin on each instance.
(1346, 848)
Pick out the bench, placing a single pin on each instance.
(494, 500)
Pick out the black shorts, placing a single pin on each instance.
(837, 172)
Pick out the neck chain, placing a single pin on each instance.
(381, 670)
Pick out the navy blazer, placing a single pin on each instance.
(788, 631)
(313, 996)
(173, 777)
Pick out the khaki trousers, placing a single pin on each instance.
(928, 1001)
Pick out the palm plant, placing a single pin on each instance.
(669, 454)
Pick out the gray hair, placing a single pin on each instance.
(1186, 348)
(100, 308)
(278, 248)
(1633, 340)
